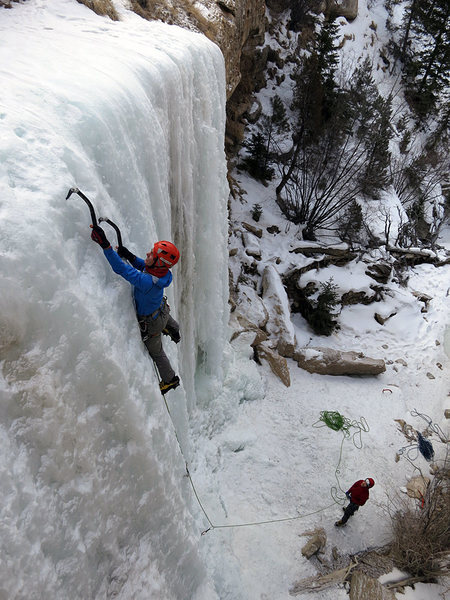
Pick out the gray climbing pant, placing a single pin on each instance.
(151, 327)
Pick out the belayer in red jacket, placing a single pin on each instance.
(358, 495)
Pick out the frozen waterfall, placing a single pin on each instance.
(94, 499)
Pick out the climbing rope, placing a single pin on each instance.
(431, 426)
(422, 446)
(334, 420)
(337, 422)
(230, 525)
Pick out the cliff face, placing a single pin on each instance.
(241, 28)
(238, 28)
(231, 24)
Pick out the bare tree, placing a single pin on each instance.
(322, 180)
(340, 151)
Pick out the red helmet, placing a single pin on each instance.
(370, 482)
(166, 254)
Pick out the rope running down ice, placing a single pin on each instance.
(235, 525)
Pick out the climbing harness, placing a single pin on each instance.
(144, 319)
(337, 422)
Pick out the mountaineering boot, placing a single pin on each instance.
(173, 383)
(174, 335)
(339, 524)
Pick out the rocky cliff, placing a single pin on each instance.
(238, 28)
(231, 24)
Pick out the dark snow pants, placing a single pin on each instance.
(151, 327)
(349, 511)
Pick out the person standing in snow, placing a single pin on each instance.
(149, 277)
(358, 495)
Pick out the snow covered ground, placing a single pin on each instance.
(273, 464)
(276, 464)
(95, 502)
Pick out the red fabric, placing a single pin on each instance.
(359, 494)
(157, 271)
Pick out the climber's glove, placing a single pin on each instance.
(98, 236)
(126, 254)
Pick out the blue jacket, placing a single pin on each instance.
(148, 290)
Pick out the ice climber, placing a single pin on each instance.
(149, 277)
(358, 495)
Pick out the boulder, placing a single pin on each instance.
(254, 112)
(251, 245)
(317, 250)
(327, 361)
(246, 326)
(343, 8)
(382, 320)
(276, 301)
(417, 487)
(379, 271)
(315, 543)
(361, 297)
(278, 364)
(423, 298)
(363, 587)
(251, 305)
(252, 229)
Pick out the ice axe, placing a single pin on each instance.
(75, 190)
(119, 235)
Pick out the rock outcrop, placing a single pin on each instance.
(342, 8)
(363, 587)
(278, 364)
(327, 361)
(315, 543)
(417, 487)
(276, 301)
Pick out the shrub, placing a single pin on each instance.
(104, 8)
(256, 212)
(350, 223)
(322, 316)
(257, 162)
(421, 535)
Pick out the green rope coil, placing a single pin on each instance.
(332, 419)
(337, 422)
